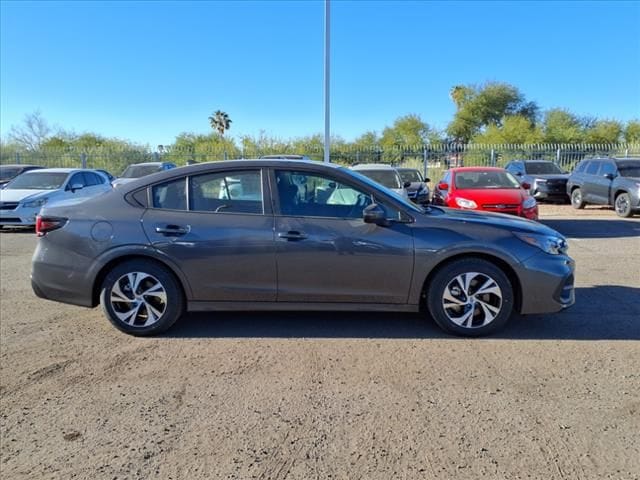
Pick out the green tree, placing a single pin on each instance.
(604, 131)
(632, 132)
(220, 121)
(515, 129)
(488, 104)
(561, 126)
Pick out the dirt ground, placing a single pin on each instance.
(329, 396)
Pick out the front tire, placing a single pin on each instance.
(141, 298)
(622, 205)
(470, 297)
(576, 199)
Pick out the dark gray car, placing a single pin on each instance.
(607, 181)
(547, 181)
(288, 235)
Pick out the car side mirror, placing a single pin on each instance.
(406, 184)
(519, 174)
(610, 176)
(375, 214)
(443, 186)
(76, 186)
(526, 185)
(427, 180)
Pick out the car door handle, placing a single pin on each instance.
(172, 230)
(292, 235)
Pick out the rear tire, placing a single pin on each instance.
(470, 297)
(576, 199)
(141, 298)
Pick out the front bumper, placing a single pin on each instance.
(544, 191)
(547, 283)
(19, 216)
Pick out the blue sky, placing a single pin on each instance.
(146, 71)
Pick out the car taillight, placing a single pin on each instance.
(48, 224)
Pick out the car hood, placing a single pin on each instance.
(122, 181)
(20, 195)
(497, 220)
(484, 196)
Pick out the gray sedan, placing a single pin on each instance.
(291, 235)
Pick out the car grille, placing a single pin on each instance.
(511, 209)
(8, 205)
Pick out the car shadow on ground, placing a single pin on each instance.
(594, 228)
(600, 313)
(11, 229)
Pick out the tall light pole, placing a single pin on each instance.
(327, 109)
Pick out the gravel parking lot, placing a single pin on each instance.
(340, 395)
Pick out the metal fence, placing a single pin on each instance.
(432, 159)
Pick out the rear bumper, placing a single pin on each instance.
(547, 283)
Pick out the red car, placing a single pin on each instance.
(485, 188)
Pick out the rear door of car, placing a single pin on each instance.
(218, 228)
(326, 253)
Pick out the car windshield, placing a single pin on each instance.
(387, 178)
(137, 171)
(376, 185)
(629, 169)
(8, 172)
(411, 176)
(485, 179)
(541, 168)
(38, 181)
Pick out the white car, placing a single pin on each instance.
(385, 175)
(23, 197)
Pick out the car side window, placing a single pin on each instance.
(98, 179)
(170, 195)
(89, 179)
(592, 168)
(227, 192)
(76, 179)
(607, 168)
(315, 195)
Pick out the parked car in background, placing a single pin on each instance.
(385, 175)
(8, 172)
(177, 241)
(24, 196)
(485, 188)
(547, 180)
(137, 170)
(418, 190)
(606, 181)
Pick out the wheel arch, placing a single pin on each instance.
(114, 262)
(497, 261)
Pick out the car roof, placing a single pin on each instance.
(372, 166)
(149, 163)
(476, 169)
(60, 170)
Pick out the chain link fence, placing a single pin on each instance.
(432, 159)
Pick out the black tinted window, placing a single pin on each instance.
(542, 168)
(89, 179)
(170, 195)
(77, 179)
(227, 192)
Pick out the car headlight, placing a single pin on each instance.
(529, 202)
(551, 244)
(464, 203)
(35, 203)
(541, 180)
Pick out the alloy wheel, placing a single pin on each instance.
(472, 300)
(138, 299)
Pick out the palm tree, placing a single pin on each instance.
(220, 121)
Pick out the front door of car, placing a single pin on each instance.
(216, 228)
(326, 253)
(601, 190)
